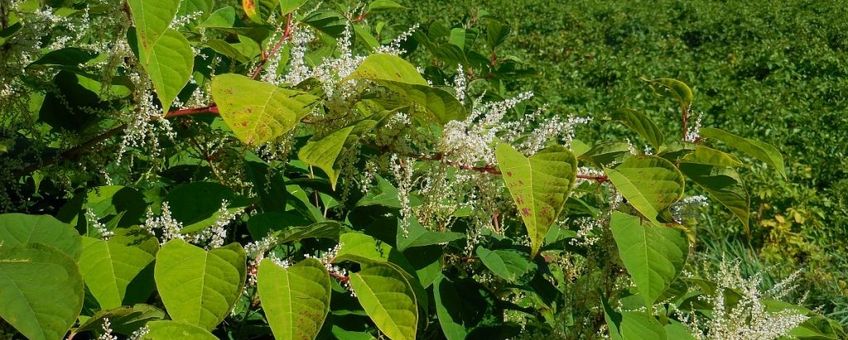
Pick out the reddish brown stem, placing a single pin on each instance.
(599, 179)
(339, 277)
(211, 109)
(266, 55)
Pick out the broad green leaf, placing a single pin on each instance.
(678, 331)
(359, 247)
(224, 17)
(327, 230)
(539, 186)
(632, 325)
(324, 153)
(288, 6)
(508, 264)
(170, 330)
(722, 184)
(675, 89)
(198, 286)
(258, 112)
(296, 299)
(649, 183)
(754, 148)
(108, 267)
(709, 156)
(21, 229)
(41, 290)
(652, 254)
(169, 61)
(124, 320)
(449, 309)
(643, 125)
(388, 298)
(151, 19)
(388, 67)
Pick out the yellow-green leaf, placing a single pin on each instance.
(258, 112)
(754, 148)
(296, 299)
(324, 153)
(649, 183)
(108, 267)
(388, 298)
(539, 186)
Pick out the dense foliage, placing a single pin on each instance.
(281, 168)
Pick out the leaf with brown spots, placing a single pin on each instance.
(258, 112)
(539, 186)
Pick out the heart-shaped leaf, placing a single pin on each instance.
(258, 112)
(151, 19)
(296, 299)
(41, 290)
(21, 229)
(108, 267)
(539, 186)
(754, 148)
(649, 183)
(388, 298)
(198, 286)
(653, 255)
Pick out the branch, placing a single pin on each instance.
(263, 59)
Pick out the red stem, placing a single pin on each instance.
(263, 59)
(213, 109)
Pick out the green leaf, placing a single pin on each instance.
(388, 68)
(708, 156)
(604, 154)
(198, 286)
(675, 89)
(496, 33)
(722, 184)
(169, 62)
(21, 229)
(258, 112)
(359, 247)
(632, 325)
(421, 237)
(649, 183)
(224, 17)
(324, 153)
(41, 290)
(151, 19)
(296, 299)
(169, 330)
(388, 298)
(539, 186)
(508, 264)
(401, 77)
(449, 309)
(643, 125)
(108, 267)
(754, 148)
(327, 230)
(653, 255)
(384, 5)
(288, 6)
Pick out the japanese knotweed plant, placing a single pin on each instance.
(217, 169)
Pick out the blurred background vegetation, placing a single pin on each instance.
(776, 71)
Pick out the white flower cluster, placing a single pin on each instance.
(402, 169)
(688, 207)
(169, 227)
(95, 224)
(394, 46)
(586, 227)
(342, 275)
(471, 142)
(256, 252)
(748, 318)
(107, 331)
(298, 71)
(216, 235)
(139, 334)
(460, 83)
(144, 129)
(693, 132)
